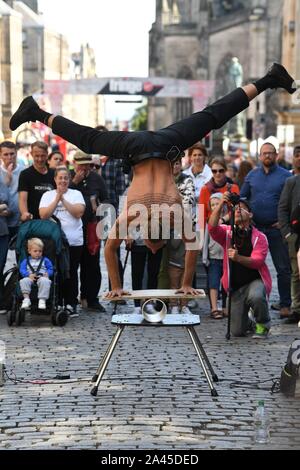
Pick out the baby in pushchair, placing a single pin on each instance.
(35, 269)
(41, 253)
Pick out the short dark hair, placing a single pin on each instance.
(198, 146)
(246, 203)
(55, 152)
(296, 149)
(269, 143)
(8, 144)
(218, 161)
(40, 144)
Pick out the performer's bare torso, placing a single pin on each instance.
(153, 183)
(151, 191)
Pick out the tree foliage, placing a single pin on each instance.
(139, 121)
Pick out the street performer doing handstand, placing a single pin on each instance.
(151, 154)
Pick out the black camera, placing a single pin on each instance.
(234, 198)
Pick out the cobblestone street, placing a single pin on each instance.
(140, 403)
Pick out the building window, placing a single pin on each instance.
(184, 108)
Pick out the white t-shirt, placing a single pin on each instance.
(70, 225)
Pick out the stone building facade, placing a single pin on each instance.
(11, 65)
(31, 53)
(289, 112)
(198, 40)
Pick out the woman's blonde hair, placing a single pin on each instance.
(35, 242)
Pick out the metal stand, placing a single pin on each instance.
(187, 321)
(232, 243)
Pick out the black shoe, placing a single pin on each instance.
(275, 306)
(294, 317)
(96, 306)
(24, 113)
(281, 78)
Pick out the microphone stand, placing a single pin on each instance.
(232, 244)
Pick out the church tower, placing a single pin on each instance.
(178, 49)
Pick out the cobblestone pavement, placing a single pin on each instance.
(140, 403)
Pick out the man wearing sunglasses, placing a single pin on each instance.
(150, 153)
(250, 280)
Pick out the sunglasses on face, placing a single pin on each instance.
(218, 171)
(97, 167)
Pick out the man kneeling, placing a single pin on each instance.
(250, 281)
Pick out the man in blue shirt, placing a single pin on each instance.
(263, 187)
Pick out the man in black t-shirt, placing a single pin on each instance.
(34, 182)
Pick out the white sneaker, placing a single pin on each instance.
(185, 310)
(138, 310)
(175, 310)
(42, 304)
(72, 311)
(26, 303)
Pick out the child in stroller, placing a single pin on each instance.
(36, 269)
(54, 253)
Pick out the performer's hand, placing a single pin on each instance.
(233, 254)
(187, 290)
(116, 293)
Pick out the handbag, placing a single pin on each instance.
(93, 242)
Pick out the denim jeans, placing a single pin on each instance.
(3, 253)
(280, 257)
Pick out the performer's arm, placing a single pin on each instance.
(113, 242)
(110, 253)
(189, 270)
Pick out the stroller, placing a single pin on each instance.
(52, 236)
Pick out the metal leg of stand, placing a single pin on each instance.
(213, 391)
(104, 362)
(95, 377)
(204, 355)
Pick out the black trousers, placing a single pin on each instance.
(90, 276)
(138, 262)
(183, 134)
(70, 286)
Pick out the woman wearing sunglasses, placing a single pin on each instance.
(218, 184)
